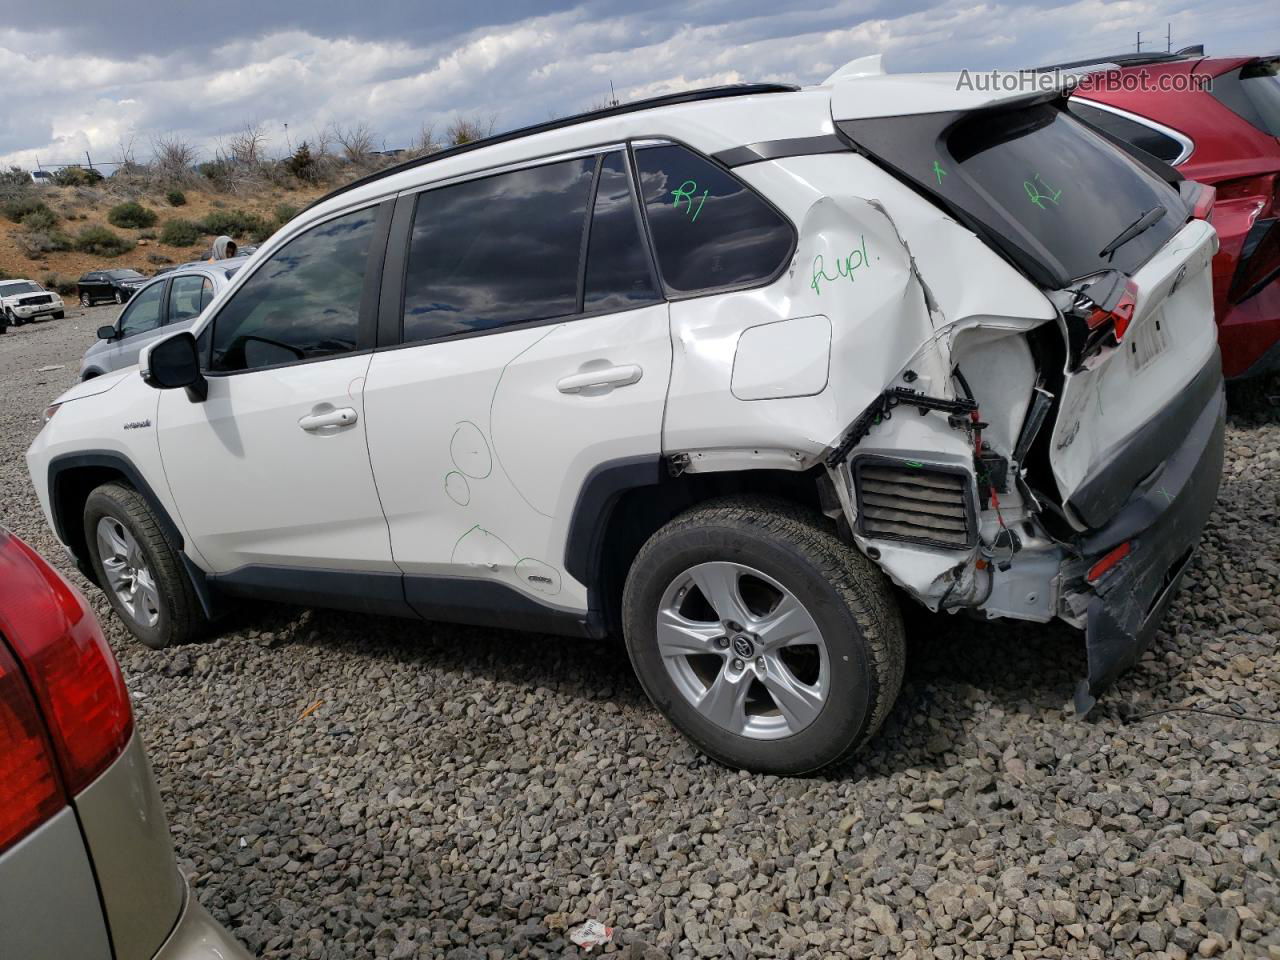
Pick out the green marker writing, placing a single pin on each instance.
(938, 172)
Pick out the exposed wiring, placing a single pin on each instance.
(1201, 710)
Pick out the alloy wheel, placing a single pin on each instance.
(127, 573)
(743, 650)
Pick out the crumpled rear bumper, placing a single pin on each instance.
(1162, 523)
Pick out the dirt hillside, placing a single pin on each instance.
(79, 207)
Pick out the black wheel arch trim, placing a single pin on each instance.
(66, 527)
(601, 490)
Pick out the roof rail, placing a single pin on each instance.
(636, 106)
(1126, 59)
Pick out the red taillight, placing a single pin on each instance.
(59, 644)
(29, 790)
(1120, 315)
(1203, 210)
(1100, 568)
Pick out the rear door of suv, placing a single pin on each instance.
(528, 345)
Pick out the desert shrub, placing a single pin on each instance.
(176, 198)
(217, 172)
(180, 233)
(159, 259)
(285, 212)
(23, 205)
(15, 176)
(240, 224)
(131, 215)
(36, 243)
(41, 219)
(303, 165)
(102, 242)
(76, 177)
(60, 283)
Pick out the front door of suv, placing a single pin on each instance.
(536, 348)
(271, 472)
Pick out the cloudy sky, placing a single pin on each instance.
(91, 76)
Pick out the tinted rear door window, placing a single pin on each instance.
(1122, 128)
(709, 229)
(496, 251)
(184, 297)
(619, 274)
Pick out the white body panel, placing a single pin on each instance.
(480, 456)
(254, 487)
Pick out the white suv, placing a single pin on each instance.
(25, 301)
(732, 373)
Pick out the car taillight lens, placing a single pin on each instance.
(29, 789)
(1099, 569)
(1203, 209)
(1119, 315)
(72, 672)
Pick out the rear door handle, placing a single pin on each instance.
(618, 376)
(342, 417)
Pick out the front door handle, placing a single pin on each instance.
(618, 376)
(342, 417)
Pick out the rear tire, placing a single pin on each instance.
(138, 569)
(814, 655)
(119, 297)
(86, 300)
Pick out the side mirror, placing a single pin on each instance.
(107, 333)
(174, 362)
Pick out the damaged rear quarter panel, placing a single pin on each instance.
(894, 275)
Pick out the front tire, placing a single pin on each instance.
(119, 297)
(768, 642)
(86, 300)
(138, 569)
(59, 315)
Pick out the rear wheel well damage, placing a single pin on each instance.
(635, 513)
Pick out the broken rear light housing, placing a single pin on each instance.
(1119, 314)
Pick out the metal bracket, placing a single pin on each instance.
(959, 417)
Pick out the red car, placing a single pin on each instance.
(1217, 120)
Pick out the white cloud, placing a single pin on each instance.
(60, 100)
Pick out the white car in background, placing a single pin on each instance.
(25, 301)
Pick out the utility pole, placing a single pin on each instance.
(1168, 38)
(613, 97)
(89, 159)
(1138, 47)
(286, 139)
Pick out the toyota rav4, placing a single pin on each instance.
(730, 373)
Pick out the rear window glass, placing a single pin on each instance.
(1065, 189)
(1140, 135)
(1253, 92)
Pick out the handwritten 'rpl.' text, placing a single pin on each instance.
(855, 259)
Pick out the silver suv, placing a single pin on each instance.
(164, 305)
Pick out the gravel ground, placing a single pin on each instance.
(346, 787)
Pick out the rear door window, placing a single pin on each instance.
(497, 251)
(1140, 135)
(710, 230)
(184, 297)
